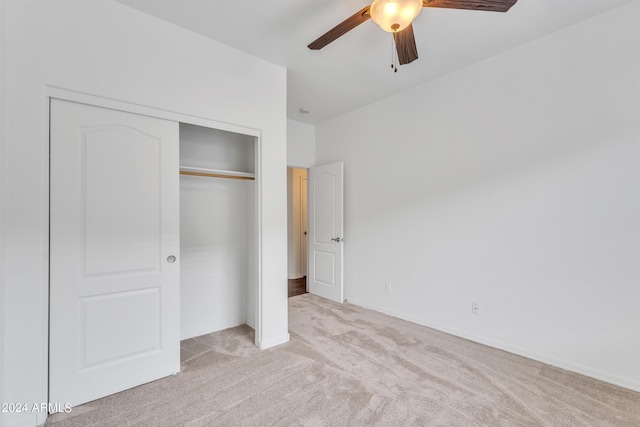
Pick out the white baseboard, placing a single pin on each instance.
(520, 351)
(265, 344)
(219, 326)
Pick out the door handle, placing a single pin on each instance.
(337, 239)
(171, 259)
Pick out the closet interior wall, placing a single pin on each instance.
(217, 231)
(297, 222)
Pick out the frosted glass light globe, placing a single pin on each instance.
(394, 15)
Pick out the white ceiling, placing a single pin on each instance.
(355, 69)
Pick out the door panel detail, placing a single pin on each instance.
(122, 204)
(136, 329)
(325, 268)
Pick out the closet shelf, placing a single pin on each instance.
(216, 173)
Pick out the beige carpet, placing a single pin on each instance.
(348, 366)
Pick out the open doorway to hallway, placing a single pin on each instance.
(297, 230)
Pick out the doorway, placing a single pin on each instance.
(297, 230)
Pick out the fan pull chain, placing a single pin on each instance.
(394, 55)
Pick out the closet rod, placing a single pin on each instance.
(216, 175)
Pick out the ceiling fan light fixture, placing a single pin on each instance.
(395, 15)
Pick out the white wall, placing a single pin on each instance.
(106, 49)
(291, 244)
(301, 144)
(215, 262)
(296, 222)
(3, 49)
(512, 183)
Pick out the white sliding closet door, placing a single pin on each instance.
(115, 270)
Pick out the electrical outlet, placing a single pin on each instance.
(387, 287)
(475, 308)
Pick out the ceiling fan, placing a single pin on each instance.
(395, 16)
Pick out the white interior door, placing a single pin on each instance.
(115, 270)
(325, 206)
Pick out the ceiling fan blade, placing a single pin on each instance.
(341, 29)
(490, 5)
(406, 45)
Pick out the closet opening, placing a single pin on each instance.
(218, 230)
(154, 237)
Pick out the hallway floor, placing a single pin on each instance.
(297, 286)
